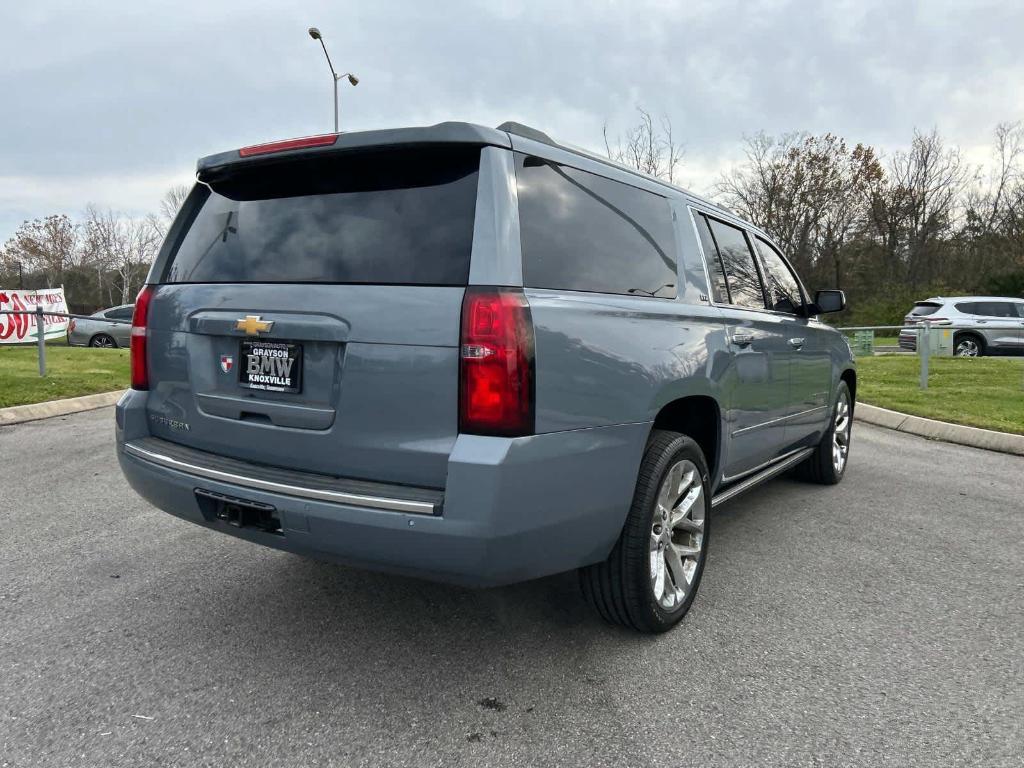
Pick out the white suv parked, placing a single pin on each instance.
(992, 325)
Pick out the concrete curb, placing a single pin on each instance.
(18, 414)
(989, 439)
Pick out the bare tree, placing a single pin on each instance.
(46, 246)
(170, 204)
(122, 244)
(809, 192)
(650, 148)
(995, 202)
(919, 203)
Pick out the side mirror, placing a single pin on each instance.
(828, 301)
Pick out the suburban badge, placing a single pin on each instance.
(227, 362)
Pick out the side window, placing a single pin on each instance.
(583, 232)
(121, 313)
(1020, 310)
(995, 309)
(740, 271)
(780, 283)
(968, 307)
(719, 288)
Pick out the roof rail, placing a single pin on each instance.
(526, 132)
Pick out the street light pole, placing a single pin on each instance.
(353, 80)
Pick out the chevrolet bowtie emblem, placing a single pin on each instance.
(253, 325)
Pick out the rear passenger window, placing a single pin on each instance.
(719, 288)
(996, 309)
(740, 271)
(780, 283)
(583, 232)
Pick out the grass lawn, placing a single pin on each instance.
(70, 372)
(978, 392)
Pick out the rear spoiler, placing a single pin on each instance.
(211, 166)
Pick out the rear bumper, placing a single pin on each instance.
(513, 508)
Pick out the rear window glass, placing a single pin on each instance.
(583, 232)
(388, 217)
(922, 310)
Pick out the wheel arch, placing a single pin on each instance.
(976, 335)
(849, 375)
(700, 418)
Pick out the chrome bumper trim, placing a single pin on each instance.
(338, 497)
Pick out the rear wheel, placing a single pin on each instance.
(102, 340)
(828, 462)
(969, 345)
(652, 575)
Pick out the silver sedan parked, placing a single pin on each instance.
(97, 330)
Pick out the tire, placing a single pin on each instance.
(103, 340)
(973, 345)
(822, 466)
(623, 587)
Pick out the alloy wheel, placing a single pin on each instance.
(677, 534)
(841, 433)
(103, 341)
(967, 348)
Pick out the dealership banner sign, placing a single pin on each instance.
(16, 329)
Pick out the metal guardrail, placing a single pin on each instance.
(922, 331)
(40, 314)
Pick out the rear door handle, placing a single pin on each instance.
(742, 339)
(796, 343)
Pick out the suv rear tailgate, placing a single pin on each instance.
(351, 270)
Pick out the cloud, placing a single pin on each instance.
(113, 100)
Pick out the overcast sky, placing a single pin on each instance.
(110, 102)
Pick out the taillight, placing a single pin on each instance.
(140, 319)
(496, 387)
(71, 325)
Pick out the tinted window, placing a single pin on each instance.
(583, 232)
(122, 313)
(996, 309)
(922, 309)
(1020, 309)
(780, 283)
(719, 289)
(401, 216)
(740, 271)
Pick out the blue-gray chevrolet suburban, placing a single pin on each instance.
(475, 355)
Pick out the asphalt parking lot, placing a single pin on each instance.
(877, 623)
